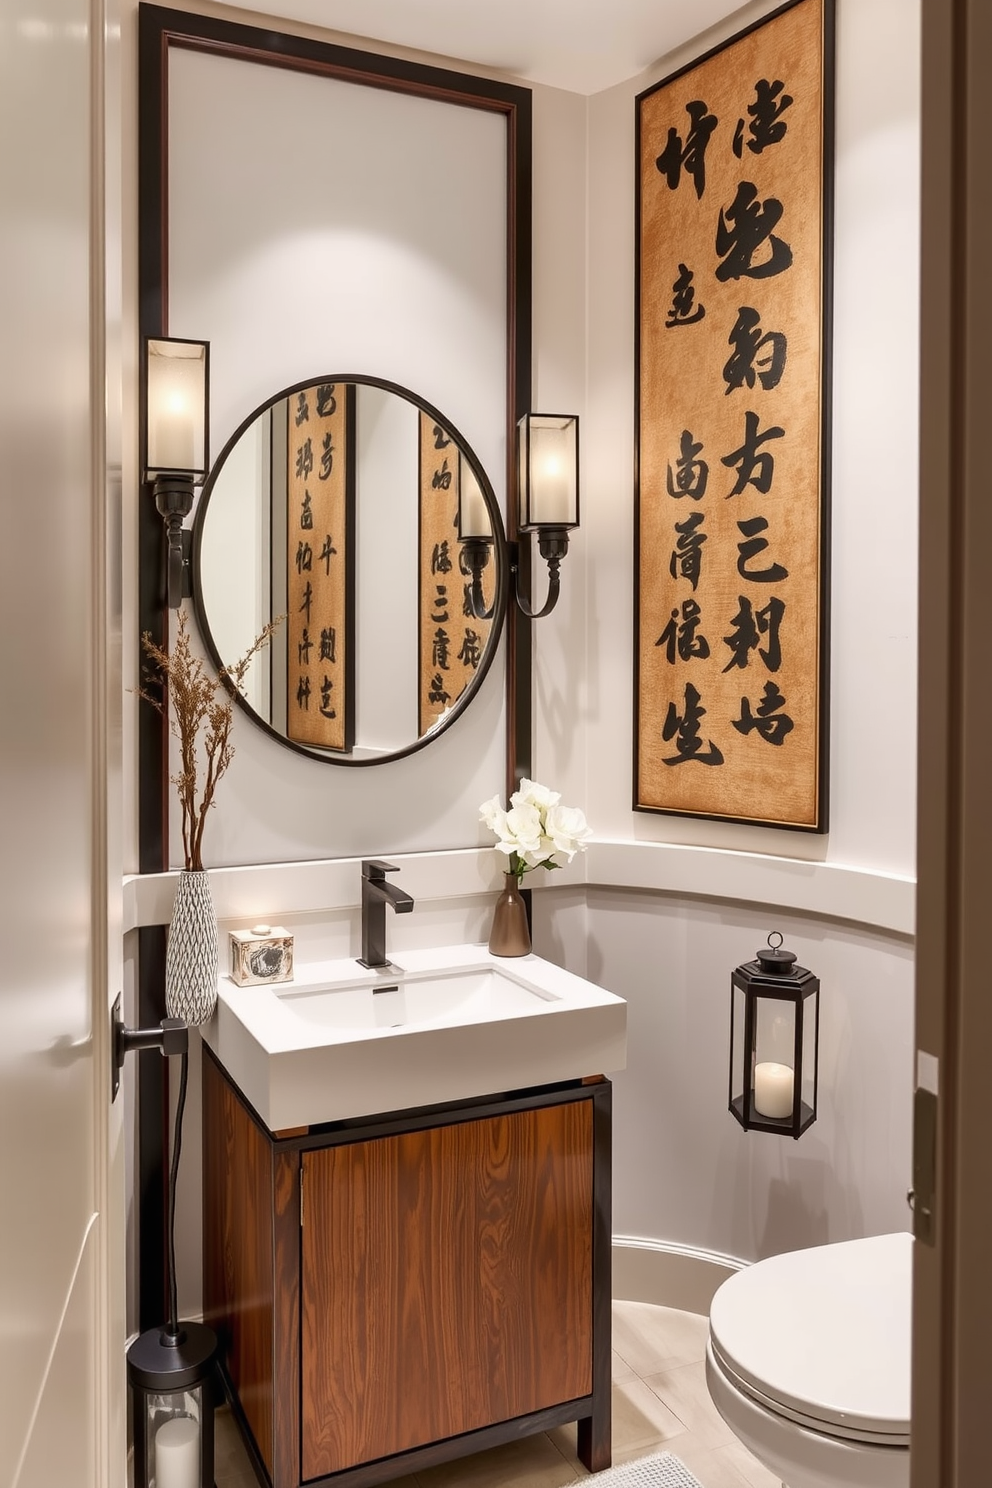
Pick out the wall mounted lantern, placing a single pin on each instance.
(475, 534)
(774, 1037)
(176, 424)
(547, 503)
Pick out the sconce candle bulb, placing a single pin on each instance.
(175, 439)
(548, 492)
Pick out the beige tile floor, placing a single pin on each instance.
(660, 1403)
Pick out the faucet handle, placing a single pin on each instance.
(376, 870)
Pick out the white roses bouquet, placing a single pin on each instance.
(536, 828)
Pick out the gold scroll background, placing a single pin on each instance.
(439, 523)
(328, 504)
(682, 387)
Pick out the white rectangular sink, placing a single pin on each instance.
(452, 1024)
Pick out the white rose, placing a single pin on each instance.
(523, 824)
(533, 794)
(567, 829)
(492, 815)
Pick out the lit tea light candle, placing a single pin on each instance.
(177, 1453)
(774, 1086)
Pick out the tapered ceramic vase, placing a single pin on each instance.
(510, 934)
(191, 954)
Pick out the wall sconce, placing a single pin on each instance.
(176, 392)
(548, 504)
(774, 1038)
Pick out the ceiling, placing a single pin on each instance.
(581, 45)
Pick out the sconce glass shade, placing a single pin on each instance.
(548, 473)
(172, 1408)
(474, 520)
(774, 1038)
(176, 407)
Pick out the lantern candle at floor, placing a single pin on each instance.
(177, 1453)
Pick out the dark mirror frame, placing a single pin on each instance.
(159, 31)
(500, 558)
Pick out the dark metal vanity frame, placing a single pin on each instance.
(160, 30)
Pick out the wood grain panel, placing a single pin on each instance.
(237, 1249)
(447, 1282)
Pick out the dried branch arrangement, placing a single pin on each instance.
(196, 701)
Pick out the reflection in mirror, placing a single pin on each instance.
(336, 505)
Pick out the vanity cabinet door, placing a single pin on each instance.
(446, 1281)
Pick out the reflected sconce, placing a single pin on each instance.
(176, 409)
(774, 1038)
(475, 534)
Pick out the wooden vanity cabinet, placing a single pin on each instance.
(395, 1292)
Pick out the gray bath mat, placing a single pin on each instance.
(660, 1471)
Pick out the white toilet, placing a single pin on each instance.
(808, 1362)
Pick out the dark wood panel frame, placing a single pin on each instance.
(159, 30)
(758, 812)
(592, 1413)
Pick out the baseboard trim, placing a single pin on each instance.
(668, 1275)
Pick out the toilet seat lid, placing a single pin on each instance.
(824, 1335)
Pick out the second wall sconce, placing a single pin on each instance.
(547, 503)
(176, 424)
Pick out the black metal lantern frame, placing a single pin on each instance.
(774, 1042)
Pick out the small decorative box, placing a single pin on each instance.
(262, 954)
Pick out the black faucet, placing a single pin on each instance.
(376, 892)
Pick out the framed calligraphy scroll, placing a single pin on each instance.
(320, 566)
(732, 428)
(452, 639)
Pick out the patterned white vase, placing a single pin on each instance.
(191, 954)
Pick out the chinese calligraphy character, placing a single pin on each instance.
(325, 697)
(743, 227)
(304, 557)
(770, 723)
(302, 409)
(436, 692)
(440, 649)
(441, 437)
(326, 458)
(441, 604)
(684, 729)
(303, 648)
(442, 478)
(303, 694)
(744, 363)
(766, 127)
(327, 552)
(753, 468)
(692, 155)
(304, 460)
(328, 644)
(306, 513)
(682, 638)
(326, 401)
(750, 549)
(307, 601)
(687, 555)
(749, 626)
(471, 652)
(441, 558)
(683, 310)
(692, 473)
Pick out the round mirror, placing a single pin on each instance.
(355, 514)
